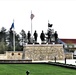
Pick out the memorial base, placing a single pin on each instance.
(44, 52)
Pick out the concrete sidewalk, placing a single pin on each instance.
(68, 61)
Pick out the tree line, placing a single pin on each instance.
(6, 40)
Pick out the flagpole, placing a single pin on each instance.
(48, 22)
(31, 24)
(13, 38)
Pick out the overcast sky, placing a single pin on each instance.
(60, 13)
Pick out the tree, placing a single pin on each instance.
(3, 46)
(3, 34)
(10, 40)
(23, 37)
(3, 43)
(6, 40)
(17, 42)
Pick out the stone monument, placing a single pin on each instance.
(44, 52)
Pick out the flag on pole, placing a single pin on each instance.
(50, 25)
(32, 16)
(12, 26)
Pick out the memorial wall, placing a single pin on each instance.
(44, 52)
(38, 53)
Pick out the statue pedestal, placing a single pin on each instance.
(44, 52)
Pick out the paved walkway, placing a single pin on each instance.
(68, 61)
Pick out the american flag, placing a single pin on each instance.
(32, 16)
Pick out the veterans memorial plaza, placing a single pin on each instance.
(44, 52)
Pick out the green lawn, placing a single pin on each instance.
(35, 69)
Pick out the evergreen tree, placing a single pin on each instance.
(23, 37)
(3, 34)
(17, 41)
(3, 47)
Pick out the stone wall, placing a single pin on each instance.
(44, 52)
(69, 55)
(36, 53)
(14, 55)
(3, 56)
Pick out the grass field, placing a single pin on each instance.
(35, 69)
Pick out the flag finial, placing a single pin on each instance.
(13, 20)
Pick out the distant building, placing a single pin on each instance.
(69, 44)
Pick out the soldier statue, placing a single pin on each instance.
(56, 37)
(42, 36)
(49, 36)
(35, 36)
(28, 36)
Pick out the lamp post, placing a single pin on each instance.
(27, 72)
